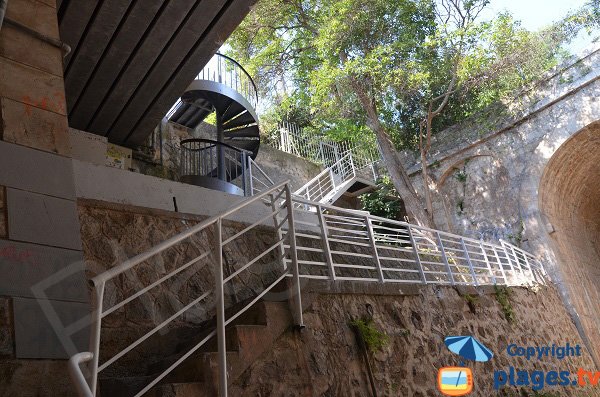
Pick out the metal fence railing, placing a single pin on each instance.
(325, 151)
(225, 70)
(212, 159)
(310, 240)
(343, 244)
(325, 185)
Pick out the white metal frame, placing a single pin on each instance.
(295, 140)
(323, 187)
(319, 241)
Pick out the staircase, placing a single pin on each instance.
(310, 240)
(247, 339)
(225, 88)
(342, 177)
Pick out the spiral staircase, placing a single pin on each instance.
(220, 163)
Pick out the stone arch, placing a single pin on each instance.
(569, 203)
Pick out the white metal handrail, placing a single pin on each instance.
(400, 252)
(325, 185)
(281, 217)
(225, 70)
(318, 148)
(314, 240)
(258, 180)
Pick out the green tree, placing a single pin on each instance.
(399, 69)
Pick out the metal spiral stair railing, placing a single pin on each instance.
(223, 87)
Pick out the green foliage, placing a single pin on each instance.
(503, 297)
(311, 57)
(384, 201)
(374, 339)
(472, 302)
(471, 299)
(517, 238)
(461, 176)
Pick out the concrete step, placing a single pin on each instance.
(192, 389)
(247, 338)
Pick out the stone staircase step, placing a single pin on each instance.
(190, 389)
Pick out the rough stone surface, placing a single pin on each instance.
(281, 166)
(7, 343)
(324, 359)
(32, 87)
(30, 50)
(34, 127)
(39, 15)
(3, 219)
(35, 378)
(112, 233)
(526, 172)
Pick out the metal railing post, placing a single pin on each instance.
(278, 226)
(332, 179)
(487, 262)
(325, 240)
(468, 257)
(243, 163)
(445, 258)
(510, 261)
(500, 265)
(220, 297)
(294, 257)
(416, 252)
(374, 246)
(95, 340)
(250, 177)
(529, 266)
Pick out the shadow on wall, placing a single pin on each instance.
(569, 197)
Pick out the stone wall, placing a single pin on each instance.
(489, 176)
(324, 360)
(112, 233)
(42, 286)
(281, 166)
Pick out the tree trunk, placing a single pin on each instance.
(412, 201)
(426, 188)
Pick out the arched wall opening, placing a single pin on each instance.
(569, 195)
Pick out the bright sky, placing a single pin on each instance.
(535, 14)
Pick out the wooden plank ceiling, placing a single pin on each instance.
(132, 59)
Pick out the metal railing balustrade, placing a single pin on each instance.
(311, 240)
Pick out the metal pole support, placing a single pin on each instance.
(297, 298)
(220, 295)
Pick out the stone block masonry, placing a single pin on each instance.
(324, 359)
(527, 172)
(42, 282)
(3, 218)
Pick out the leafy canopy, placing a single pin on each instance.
(306, 54)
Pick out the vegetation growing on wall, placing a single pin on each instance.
(374, 339)
(503, 297)
(517, 237)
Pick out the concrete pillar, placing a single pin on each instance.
(42, 283)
